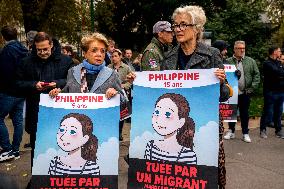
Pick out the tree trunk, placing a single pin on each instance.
(35, 13)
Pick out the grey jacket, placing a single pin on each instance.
(107, 78)
(204, 57)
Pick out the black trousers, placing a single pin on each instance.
(243, 106)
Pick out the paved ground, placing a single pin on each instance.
(249, 166)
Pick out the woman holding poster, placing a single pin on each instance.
(75, 136)
(191, 53)
(170, 120)
(92, 76)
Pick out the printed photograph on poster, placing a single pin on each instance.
(74, 139)
(175, 127)
(229, 108)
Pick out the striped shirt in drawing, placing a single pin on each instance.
(56, 167)
(186, 155)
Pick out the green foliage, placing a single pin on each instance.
(11, 13)
(275, 11)
(57, 17)
(278, 36)
(130, 22)
(256, 106)
(241, 21)
(63, 21)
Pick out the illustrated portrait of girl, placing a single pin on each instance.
(170, 119)
(75, 136)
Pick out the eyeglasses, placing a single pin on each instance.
(182, 26)
(240, 48)
(44, 50)
(95, 50)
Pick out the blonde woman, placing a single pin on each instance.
(92, 76)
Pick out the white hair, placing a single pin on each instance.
(239, 42)
(197, 15)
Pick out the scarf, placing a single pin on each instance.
(92, 68)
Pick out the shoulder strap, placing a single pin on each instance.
(179, 154)
(83, 169)
(55, 164)
(151, 148)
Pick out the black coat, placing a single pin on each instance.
(273, 73)
(204, 57)
(10, 58)
(34, 69)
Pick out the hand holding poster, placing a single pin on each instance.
(229, 109)
(76, 147)
(174, 134)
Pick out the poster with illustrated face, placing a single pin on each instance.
(77, 142)
(174, 137)
(229, 109)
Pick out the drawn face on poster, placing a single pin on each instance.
(75, 136)
(170, 120)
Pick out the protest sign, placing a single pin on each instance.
(174, 138)
(77, 142)
(229, 108)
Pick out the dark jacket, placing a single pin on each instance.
(204, 57)
(273, 73)
(34, 69)
(10, 58)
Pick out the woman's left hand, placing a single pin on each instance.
(111, 92)
(220, 73)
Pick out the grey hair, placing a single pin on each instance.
(197, 15)
(239, 42)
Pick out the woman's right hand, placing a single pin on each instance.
(54, 92)
(130, 77)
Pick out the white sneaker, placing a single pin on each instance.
(229, 135)
(246, 138)
(6, 155)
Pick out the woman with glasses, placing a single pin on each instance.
(191, 53)
(92, 76)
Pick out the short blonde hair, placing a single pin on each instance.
(197, 15)
(86, 40)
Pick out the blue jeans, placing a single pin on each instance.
(14, 107)
(272, 101)
(243, 105)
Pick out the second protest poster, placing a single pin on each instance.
(229, 108)
(174, 138)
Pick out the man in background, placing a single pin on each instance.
(273, 91)
(160, 44)
(128, 58)
(247, 84)
(44, 69)
(10, 101)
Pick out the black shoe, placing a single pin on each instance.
(271, 125)
(7, 155)
(120, 138)
(28, 145)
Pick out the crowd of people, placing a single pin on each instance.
(46, 67)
